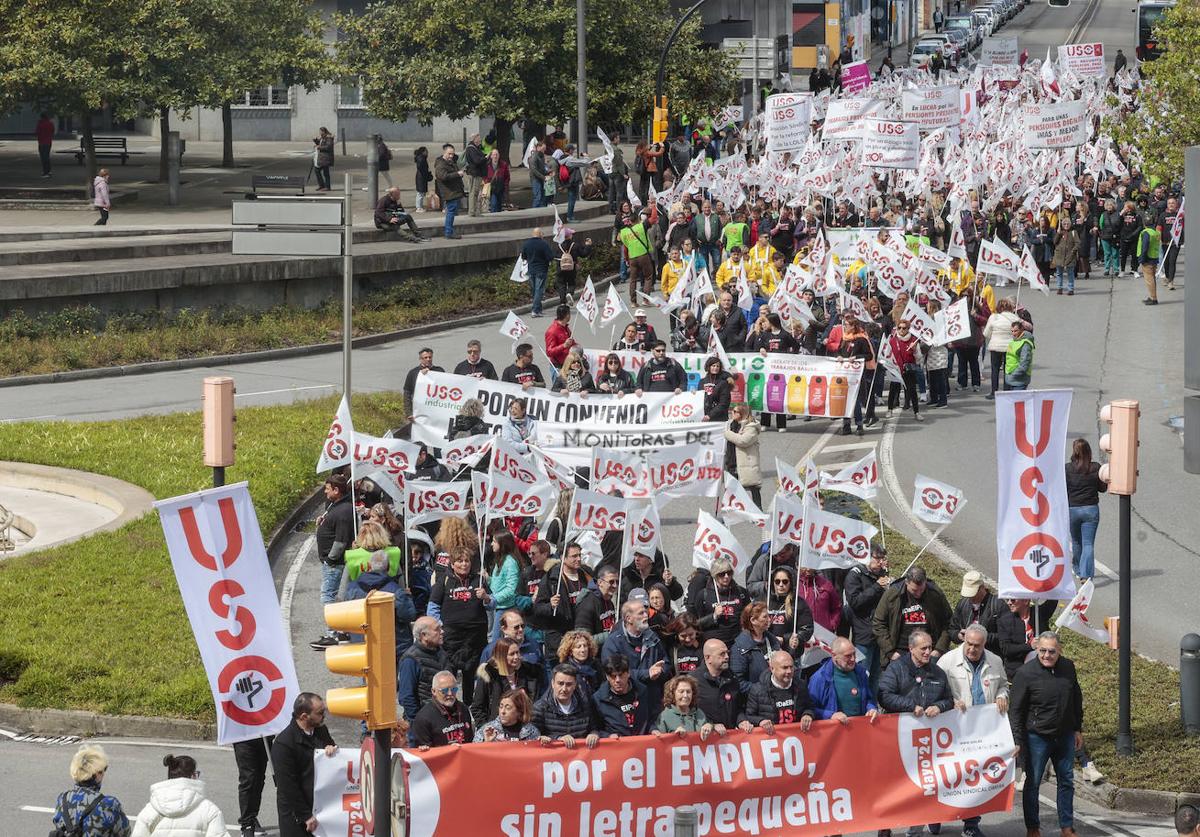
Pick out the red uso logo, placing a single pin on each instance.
(892, 278)
(933, 499)
(672, 473)
(227, 589)
(710, 544)
(390, 462)
(961, 775)
(1038, 550)
(510, 467)
(680, 411)
(335, 443)
(791, 526)
(935, 93)
(441, 392)
(454, 456)
(873, 156)
(1085, 50)
(889, 128)
(834, 541)
(591, 516)
(507, 502)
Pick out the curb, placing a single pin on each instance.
(91, 724)
(265, 354)
(1136, 800)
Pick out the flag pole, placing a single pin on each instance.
(926, 546)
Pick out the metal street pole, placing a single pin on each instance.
(373, 171)
(662, 58)
(347, 284)
(1191, 334)
(1125, 570)
(383, 783)
(754, 37)
(581, 76)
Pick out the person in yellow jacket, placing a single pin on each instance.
(959, 275)
(758, 259)
(731, 268)
(770, 276)
(672, 271)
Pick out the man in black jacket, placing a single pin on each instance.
(476, 366)
(445, 719)
(476, 170)
(1046, 712)
(563, 714)
(914, 683)
(596, 612)
(390, 214)
(1017, 631)
(424, 364)
(977, 605)
(292, 761)
(720, 695)
(335, 533)
(733, 332)
(779, 696)
(621, 702)
(864, 588)
(661, 373)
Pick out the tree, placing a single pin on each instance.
(1168, 118)
(427, 58)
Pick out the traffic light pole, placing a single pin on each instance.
(383, 783)
(1124, 727)
(662, 59)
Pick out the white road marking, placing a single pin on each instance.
(1112, 830)
(125, 742)
(37, 809)
(285, 389)
(289, 583)
(27, 418)
(850, 446)
(8, 734)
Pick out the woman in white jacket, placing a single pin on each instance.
(997, 334)
(177, 807)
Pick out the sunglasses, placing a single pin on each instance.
(722, 575)
(783, 581)
(450, 690)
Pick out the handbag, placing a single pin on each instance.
(485, 191)
(75, 829)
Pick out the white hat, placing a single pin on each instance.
(639, 313)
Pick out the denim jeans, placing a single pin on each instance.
(331, 582)
(451, 211)
(623, 269)
(572, 196)
(1084, 522)
(1070, 271)
(1112, 255)
(537, 282)
(1040, 749)
(539, 193)
(870, 662)
(711, 253)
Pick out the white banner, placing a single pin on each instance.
(713, 540)
(738, 506)
(936, 502)
(591, 510)
(621, 470)
(892, 145)
(571, 445)
(225, 582)
(503, 496)
(996, 258)
(337, 797)
(834, 541)
(796, 385)
(1055, 124)
(335, 452)
(844, 119)
(1084, 60)
(931, 107)
(426, 501)
(998, 50)
(860, 478)
(1033, 525)
(787, 121)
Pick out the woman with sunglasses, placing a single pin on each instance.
(906, 352)
(717, 390)
(613, 379)
(786, 611)
(719, 607)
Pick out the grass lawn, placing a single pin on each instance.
(1166, 759)
(83, 338)
(99, 624)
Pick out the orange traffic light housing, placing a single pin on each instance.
(661, 120)
(1121, 445)
(374, 660)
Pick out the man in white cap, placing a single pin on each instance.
(645, 331)
(978, 605)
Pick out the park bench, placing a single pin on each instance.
(104, 147)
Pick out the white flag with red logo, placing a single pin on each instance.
(514, 327)
(954, 322)
(860, 478)
(426, 501)
(614, 306)
(643, 531)
(716, 349)
(790, 481)
(588, 305)
(787, 522)
(958, 244)
(510, 462)
(683, 471)
(1075, 617)
(559, 226)
(998, 259)
(501, 496)
(834, 541)
(1031, 273)
(600, 512)
(820, 646)
(385, 460)
(737, 506)
(936, 502)
(618, 470)
(1033, 523)
(335, 451)
(921, 322)
(466, 453)
(714, 541)
(520, 271)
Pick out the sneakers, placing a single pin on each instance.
(871, 422)
(919, 417)
(1059, 292)
(858, 431)
(781, 429)
(571, 300)
(323, 642)
(1149, 301)
(1070, 293)
(991, 396)
(255, 829)
(972, 831)
(1089, 772)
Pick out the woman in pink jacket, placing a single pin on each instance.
(100, 197)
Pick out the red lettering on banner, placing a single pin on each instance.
(233, 536)
(1031, 477)
(245, 619)
(589, 516)
(1022, 441)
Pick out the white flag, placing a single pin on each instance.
(529, 149)
(587, 305)
(833, 541)
(738, 506)
(559, 226)
(335, 452)
(593, 510)
(716, 348)
(714, 541)
(643, 531)
(787, 522)
(921, 323)
(386, 460)
(426, 501)
(996, 258)
(936, 502)
(958, 244)
(953, 323)
(1031, 273)
(790, 481)
(466, 453)
(514, 327)
(501, 496)
(1075, 614)
(520, 271)
(630, 193)
(613, 306)
(860, 478)
(618, 470)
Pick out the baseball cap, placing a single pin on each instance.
(971, 583)
(639, 313)
(638, 594)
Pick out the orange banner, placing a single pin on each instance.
(898, 771)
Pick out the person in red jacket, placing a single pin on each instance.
(45, 137)
(907, 354)
(822, 598)
(558, 337)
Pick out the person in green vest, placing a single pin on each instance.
(737, 233)
(372, 537)
(1149, 248)
(1018, 360)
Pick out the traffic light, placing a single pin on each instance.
(217, 398)
(1121, 445)
(661, 120)
(375, 659)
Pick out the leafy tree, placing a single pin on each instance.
(1168, 118)
(426, 58)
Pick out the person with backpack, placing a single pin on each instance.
(570, 252)
(570, 176)
(84, 809)
(177, 807)
(423, 177)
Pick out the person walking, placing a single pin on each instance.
(450, 189)
(496, 181)
(100, 197)
(938, 19)
(45, 138)
(1046, 714)
(475, 167)
(997, 332)
(177, 807)
(423, 176)
(292, 761)
(537, 255)
(1018, 359)
(742, 434)
(323, 145)
(1083, 499)
(1110, 228)
(1066, 253)
(84, 806)
(1149, 248)
(252, 757)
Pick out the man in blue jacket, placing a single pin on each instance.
(840, 688)
(647, 657)
(621, 701)
(537, 255)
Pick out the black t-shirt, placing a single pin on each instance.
(782, 239)
(482, 369)
(337, 524)
(517, 375)
(437, 727)
(912, 618)
(687, 660)
(456, 596)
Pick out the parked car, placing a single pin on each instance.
(966, 23)
(950, 48)
(923, 53)
(987, 20)
(962, 41)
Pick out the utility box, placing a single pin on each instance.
(217, 401)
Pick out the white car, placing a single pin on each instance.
(948, 44)
(923, 53)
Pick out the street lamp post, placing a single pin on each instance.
(662, 60)
(581, 75)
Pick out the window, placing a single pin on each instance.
(271, 96)
(350, 93)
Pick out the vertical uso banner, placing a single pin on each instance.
(1033, 525)
(217, 552)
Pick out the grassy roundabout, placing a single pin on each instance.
(99, 624)
(83, 338)
(1166, 759)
